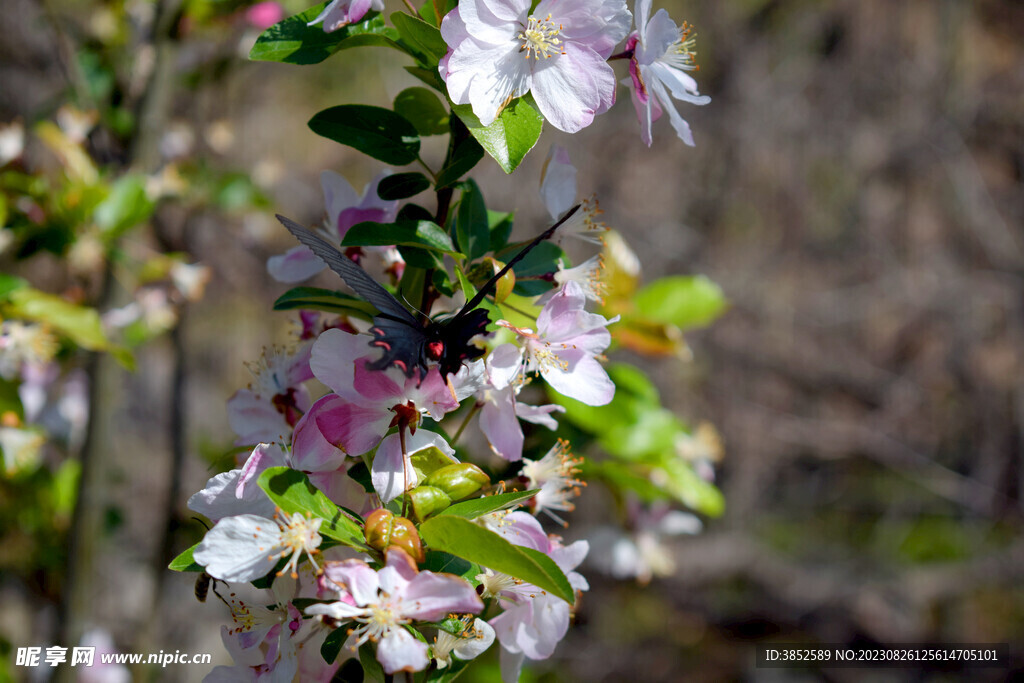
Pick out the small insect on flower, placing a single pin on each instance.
(203, 586)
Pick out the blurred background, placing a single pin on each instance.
(857, 190)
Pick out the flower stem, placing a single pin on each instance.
(405, 470)
(469, 416)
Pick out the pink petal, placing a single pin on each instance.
(295, 265)
(558, 182)
(540, 415)
(357, 578)
(352, 428)
(493, 21)
(499, 424)
(522, 528)
(399, 571)
(375, 385)
(429, 597)
(263, 456)
(588, 382)
(255, 419)
(219, 500)
(572, 87)
(338, 192)
(333, 360)
(399, 651)
(311, 452)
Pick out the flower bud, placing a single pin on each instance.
(458, 481)
(427, 500)
(384, 530)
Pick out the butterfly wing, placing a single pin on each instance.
(395, 330)
(402, 345)
(353, 275)
(456, 335)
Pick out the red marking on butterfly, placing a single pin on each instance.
(435, 350)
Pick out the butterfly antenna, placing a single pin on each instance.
(475, 301)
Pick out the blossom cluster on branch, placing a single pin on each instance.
(388, 539)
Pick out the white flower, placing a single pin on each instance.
(500, 50)
(469, 644)
(246, 547)
(662, 54)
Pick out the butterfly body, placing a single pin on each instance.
(408, 343)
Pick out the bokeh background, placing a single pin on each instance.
(857, 190)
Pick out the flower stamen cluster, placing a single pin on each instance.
(300, 534)
(540, 38)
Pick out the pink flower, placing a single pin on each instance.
(272, 405)
(501, 412)
(662, 54)
(340, 13)
(344, 209)
(384, 602)
(365, 402)
(565, 347)
(263, 15)
(500, 50)
(534, 621)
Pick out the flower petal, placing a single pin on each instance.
(354, 429)
(357, 578)
(240, 548)
(399, 651)
(499, 424)
(429, 597)
(295, 265)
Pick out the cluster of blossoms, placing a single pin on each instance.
(375, 445)
(559, 52)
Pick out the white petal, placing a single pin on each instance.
(558, 182)
(218, 499)
(240, 548)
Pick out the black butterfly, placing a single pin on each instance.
(407, 342)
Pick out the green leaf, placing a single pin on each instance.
(682, 301)
(421, 38)
(465, 156)
(471, 509)
(317, 299)
(417, 258)
(293, 42)
(500, 224)
(652, 431)
(429, 14)
(9, 283)
(402, 186)
(469, 541)
(471, 228)
(185, 563)
(688, 488)
(494, 313)
(510, 136)
(332, 644)
(635, 396)
(424, 109)
(126, 206)
(292, 491)
(439, 562)
(425, 234)
(79, 323)
(374, 131)
(373, 672)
